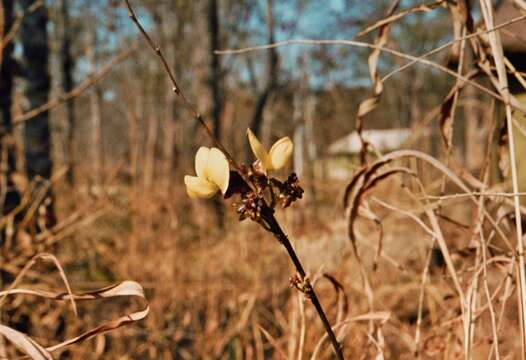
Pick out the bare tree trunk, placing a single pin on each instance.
(310, 147)
(9, 198)
(168, 149)
(68, 65)
(272, 75)
(132, 111)
(37, 137)
(97, 146)
(414, 106)
(215, 66)
(305, 151)
(215, 85)
(169, 145)
(36, 54)
(297, 217)
(299, 134)
(169, 122)
(150, 150)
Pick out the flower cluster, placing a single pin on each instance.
(289, 191)
(252, 182)
(213, 174)
(274, 159)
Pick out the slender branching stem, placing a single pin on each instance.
(177, 90)
(268, 214)
(278, 232)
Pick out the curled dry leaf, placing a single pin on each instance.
(342, 301)
(446, 110)
(397, 16)
(356, 195)
(35, 351)
(45, 257)
(461, 17)
(25, 344)
(371, 103)
(368, 214)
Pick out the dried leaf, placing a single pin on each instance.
(446, 119)
(368, 183)
(504, 152)
(370, 103)
(446, 110)
(353, 198)
(461, 17)
(351, 186)
(343, 305)
(25, 344)
(389, 19)
(125, 288)
(46, 257)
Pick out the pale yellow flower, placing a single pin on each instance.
(278, 155)
(213, 174)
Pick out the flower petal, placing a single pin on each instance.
(199, 188)
(217, 169)
(280, 152)
(258, 150)
(201, 159)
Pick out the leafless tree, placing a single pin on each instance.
(215, 81)
(37, 137)
(67, 67)
(271, 75)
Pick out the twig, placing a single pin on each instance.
(484, 245)
(175, 87)
(367, 46)
(448, 44)
(86, 84)
(409, 214)
(425, 275)
(275, 228)
(496, 47)
(267, 212)
(474, 193)
(5, 40)
(301, 345)
(401, 14)
(29, 265)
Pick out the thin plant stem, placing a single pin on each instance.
(278, 232)
(448, 44)
(496, 48)
(362, 44)
(511, 101)
(274, 226)
(176, 89)
(90, 80)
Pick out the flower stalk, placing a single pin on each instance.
(251, 183)
(306, 288)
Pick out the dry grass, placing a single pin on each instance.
(224, 294)
(424, 260)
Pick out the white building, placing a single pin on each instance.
(383, 140)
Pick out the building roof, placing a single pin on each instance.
(380, 139)
(513, 36)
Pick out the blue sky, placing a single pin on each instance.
(314, 20)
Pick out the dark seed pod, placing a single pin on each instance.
(251, 207)
(289, 191)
